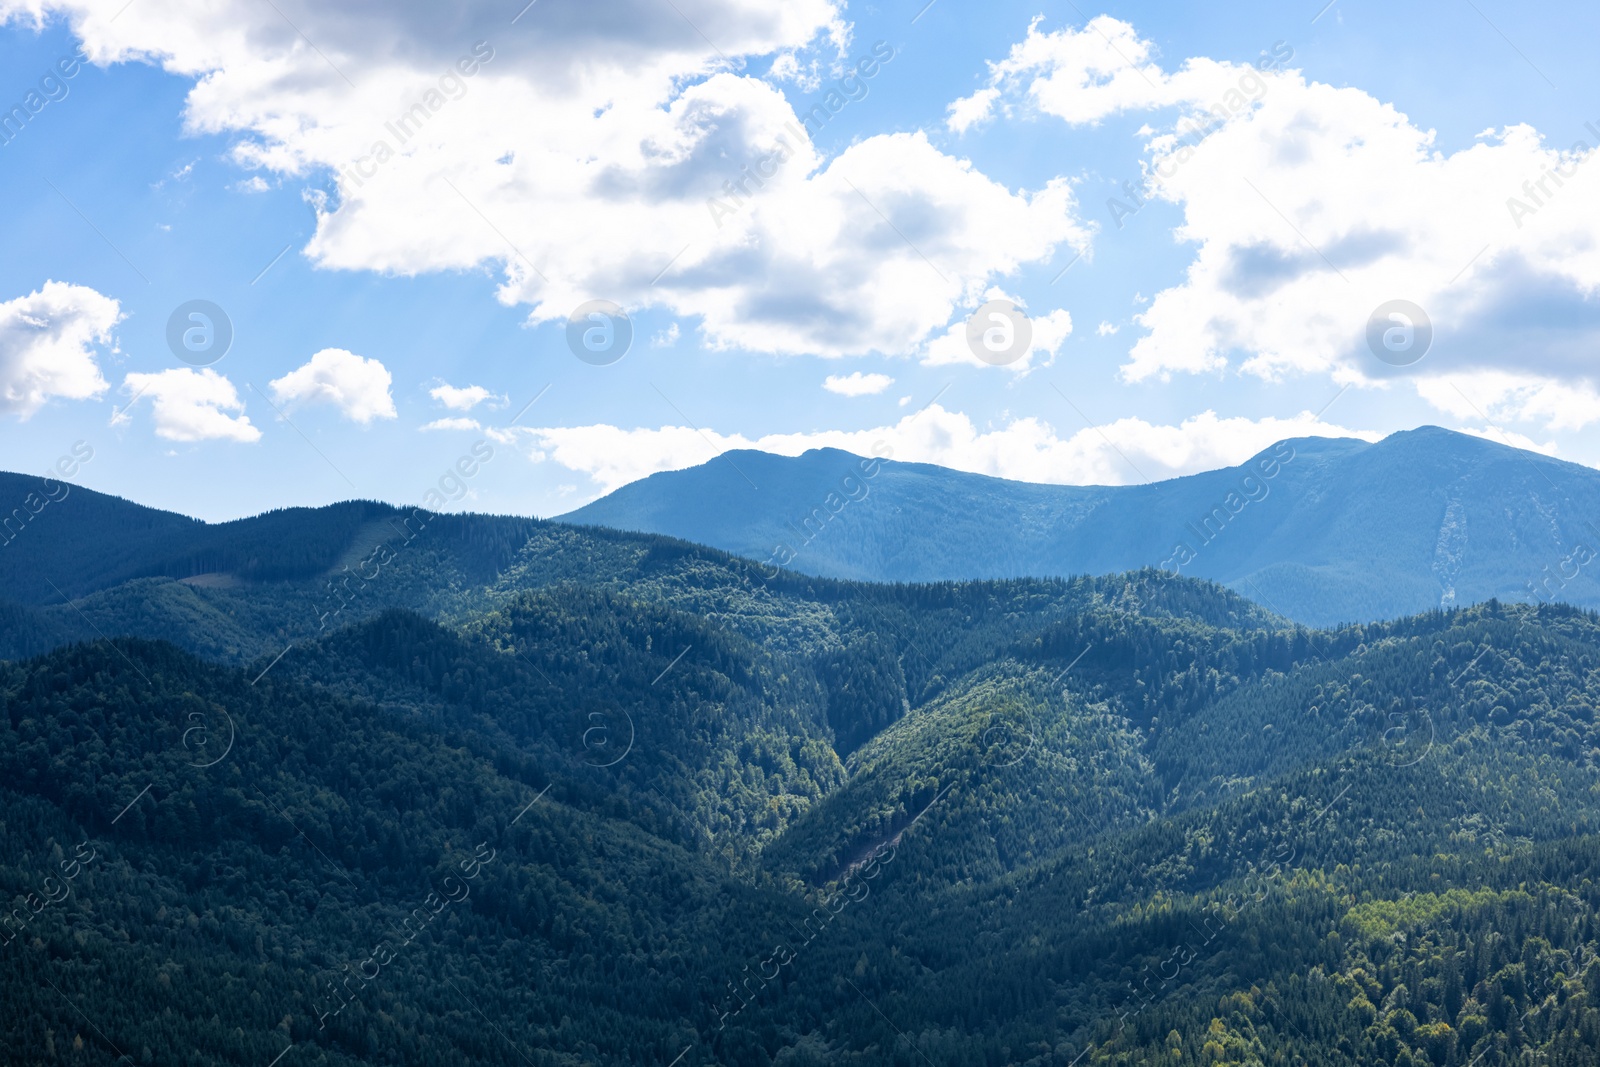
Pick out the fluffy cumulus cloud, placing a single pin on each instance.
(1118, 453)
(1498, 396)
(1326, 204)
(643, 167)
(1105, 68)
(462, 398)
(972, 110)
(357, 386)
(1310, 206)
(857, 384)
(49, 346)
(190, 405)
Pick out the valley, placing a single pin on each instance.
(511, 791)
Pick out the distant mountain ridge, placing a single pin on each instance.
(1320, 530)
(312, 786)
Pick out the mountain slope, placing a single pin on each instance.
(518, 792)
(210, 870)
(1322, 531)
(333, 881)
(62, 539)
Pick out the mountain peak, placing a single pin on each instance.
(1345, 530)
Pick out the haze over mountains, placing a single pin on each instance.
(1321, 530)
(357, 786)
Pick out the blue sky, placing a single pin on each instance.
(197, 156)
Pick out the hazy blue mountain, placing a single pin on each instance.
(1321, 530)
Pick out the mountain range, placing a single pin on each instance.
(1321, 530)
(363, 785)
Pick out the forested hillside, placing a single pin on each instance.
(579, 796)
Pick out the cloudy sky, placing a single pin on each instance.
(262, 254)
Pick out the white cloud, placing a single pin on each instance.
(857, 384)
(1501, 436)
(628, 124)
(1381, 214)
(1507, 396)
(1308, 206)
(452, 424)
(1105, 68)
(463, 398)
(872, 253)
(357, 386)
(48, 346)
(1105, 329)
(191, 405)
(665, 338)
(1121, 452)
(1050, 332)
(969, 111)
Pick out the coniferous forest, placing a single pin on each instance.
(419, 789)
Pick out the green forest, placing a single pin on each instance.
(359, 786)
